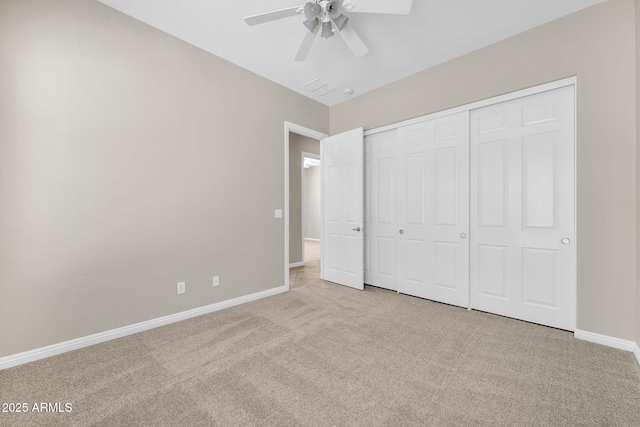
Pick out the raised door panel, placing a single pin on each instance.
(540, 277)
(413, 186)
(492, 184)
(446, 186)
(446, 268)
(492, 271)
(413, 263)
(384, 191)
(539, 181)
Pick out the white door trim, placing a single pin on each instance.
(304, 154)
(479, 104)
(310, 133)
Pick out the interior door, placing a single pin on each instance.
(380, 229)
(523, 208)
(433, 209)
(343, 209)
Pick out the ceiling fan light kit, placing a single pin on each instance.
(327, 12)
(311, 25)
(327, 30)
(329, 16)
(341, 21)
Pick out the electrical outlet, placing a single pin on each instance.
(182, 288)
(216, 280)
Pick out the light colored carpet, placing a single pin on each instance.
(323, 354)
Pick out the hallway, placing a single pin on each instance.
(310, 272)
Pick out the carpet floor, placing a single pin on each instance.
(323, 354)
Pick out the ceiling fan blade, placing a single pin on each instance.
(395, 7)
(352, 40)
(272, 16)
(307, 42)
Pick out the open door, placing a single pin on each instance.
(343, 209)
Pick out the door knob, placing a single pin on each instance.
(401, 231)
(356, 229)
(565, 241)
(463, 236)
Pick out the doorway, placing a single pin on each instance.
(300, 143)
(311, 207)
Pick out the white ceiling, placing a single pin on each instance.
(434, 32)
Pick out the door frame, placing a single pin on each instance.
(569, 81)
(309, 133)
(304, 154)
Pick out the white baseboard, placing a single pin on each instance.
(609, 341)
(75, 344)
(296, 264)
(312, 239)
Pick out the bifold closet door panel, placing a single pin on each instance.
(380, 210)
(523, 208)
(432, 198)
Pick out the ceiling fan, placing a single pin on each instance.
(327, 17)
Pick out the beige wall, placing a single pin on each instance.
(129, 161)
(297, 144)
(637, 16)
(312, 203)
(598, 45)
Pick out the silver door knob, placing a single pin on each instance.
(356, 229)
(565, 241)
(463, 236)
(401, 231)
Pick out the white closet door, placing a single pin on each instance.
(380, 212)
(433, 209)
(523, 208)
(343, 209)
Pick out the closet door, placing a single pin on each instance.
(432, 197)
(380, 211)
(523, 208)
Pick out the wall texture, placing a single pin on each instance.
(637, 16)
(312, 203)
(130, 161)
(598, 45)
(297, 144)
